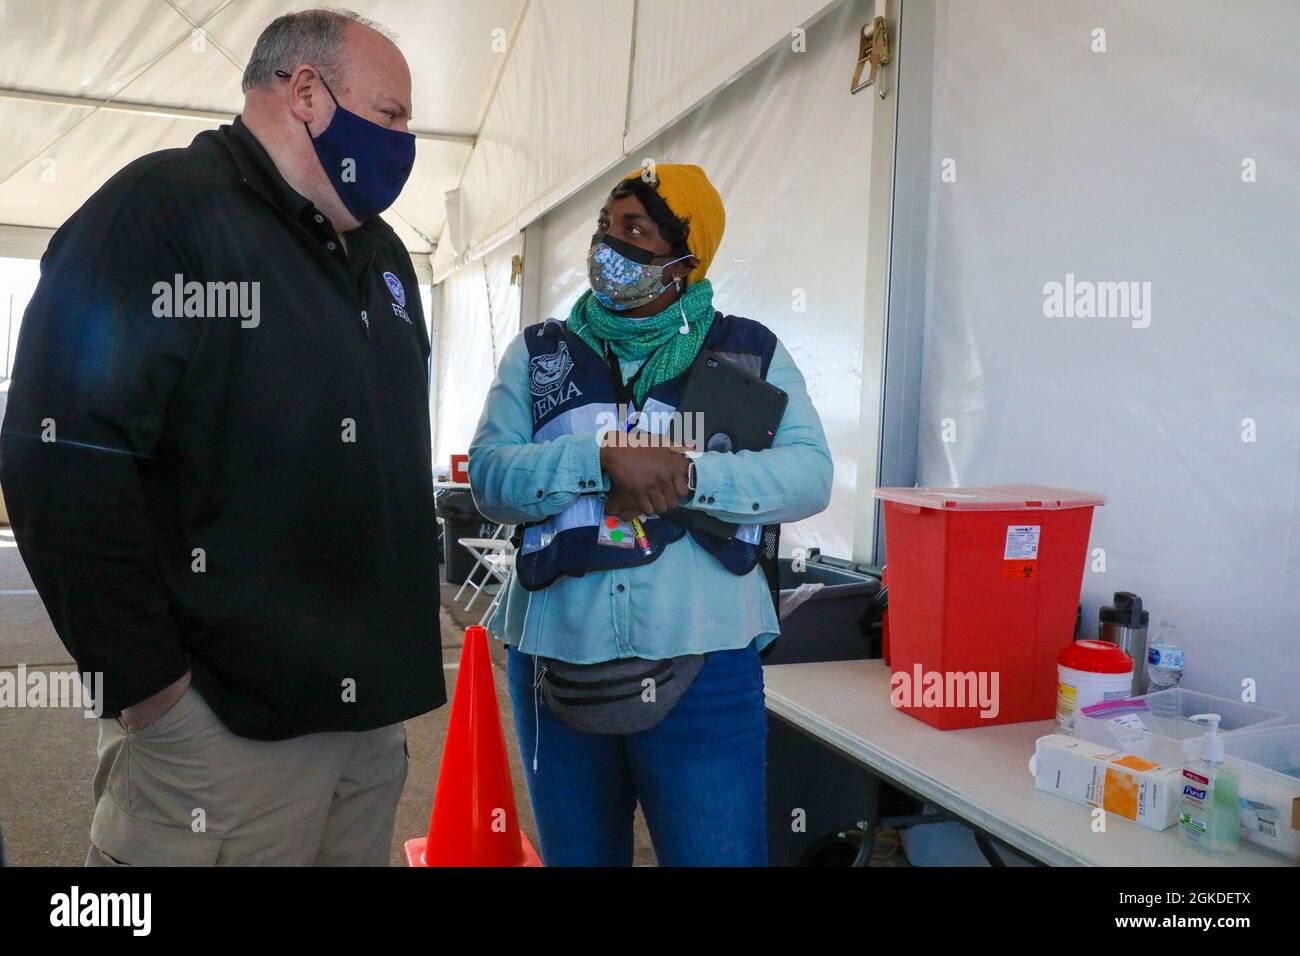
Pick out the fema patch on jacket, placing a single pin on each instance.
(395, 287)
(548, 379)
(398, 292)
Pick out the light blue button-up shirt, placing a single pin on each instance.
(684, 602)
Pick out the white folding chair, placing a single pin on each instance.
(503, 566)
(497, 564)
(485, 551)
(471, 544)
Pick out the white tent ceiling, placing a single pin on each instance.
(54, 154)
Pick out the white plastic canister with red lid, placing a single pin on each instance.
(1089, 672)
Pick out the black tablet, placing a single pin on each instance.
(725, 407)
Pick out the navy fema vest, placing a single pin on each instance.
(574, 392)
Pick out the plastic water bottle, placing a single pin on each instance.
(1164, 660)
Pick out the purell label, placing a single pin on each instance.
(1190, 791)
(1193, 775)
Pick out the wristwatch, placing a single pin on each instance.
(690, 474)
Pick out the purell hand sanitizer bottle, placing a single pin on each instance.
(1211, 816)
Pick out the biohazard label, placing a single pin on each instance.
(1022, 543)
(1020, 556)
(1019, 570)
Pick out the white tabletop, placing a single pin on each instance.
(981, 774)
(463, 485)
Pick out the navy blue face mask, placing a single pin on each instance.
(367, 164)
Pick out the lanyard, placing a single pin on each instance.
(623, 391)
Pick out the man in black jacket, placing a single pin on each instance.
(217, 461)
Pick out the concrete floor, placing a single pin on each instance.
(47, 756)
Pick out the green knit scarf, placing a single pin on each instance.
(669, 352)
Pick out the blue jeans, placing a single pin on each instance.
(700, 775)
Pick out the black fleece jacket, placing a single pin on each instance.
(216, 452)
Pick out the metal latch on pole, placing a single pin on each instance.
(873, 49)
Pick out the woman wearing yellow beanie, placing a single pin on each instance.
(634, 630)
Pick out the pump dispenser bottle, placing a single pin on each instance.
(1211, 814)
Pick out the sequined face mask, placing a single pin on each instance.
(621, 274)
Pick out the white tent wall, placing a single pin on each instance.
(1168, 159)
(585, 82)
(18, 277)
(686, 50)
(463, 351)
(189, 55)
(785, 146)
(476, 317)
(556, 119)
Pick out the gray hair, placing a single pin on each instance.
(308, 36)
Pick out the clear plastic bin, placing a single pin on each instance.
(1155, 726)
(1268, 762)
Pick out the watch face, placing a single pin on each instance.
(718, 441)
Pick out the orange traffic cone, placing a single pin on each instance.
(474, 822)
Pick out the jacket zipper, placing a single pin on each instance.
(365, 297)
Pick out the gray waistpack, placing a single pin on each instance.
(624, 696)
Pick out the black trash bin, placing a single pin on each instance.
(460, 519)
(836, 623)
(832, 624)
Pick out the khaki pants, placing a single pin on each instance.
(185, 791)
